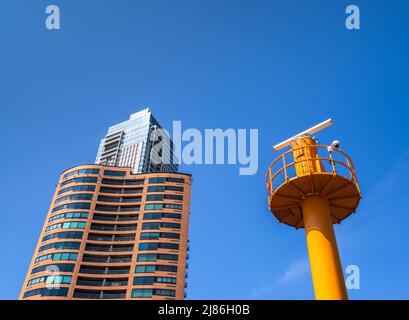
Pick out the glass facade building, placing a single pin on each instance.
(130, 144)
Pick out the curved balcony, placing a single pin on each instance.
(110, 259)
(315, 171)
(92, 294)
(111, 237)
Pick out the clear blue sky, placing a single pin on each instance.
(278, 66)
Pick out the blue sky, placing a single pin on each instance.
(277, 66)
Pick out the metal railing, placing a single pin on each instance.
(283, 169)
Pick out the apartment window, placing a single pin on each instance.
(156, 188)
(81, 171)
(72, 256)
(152, 216)
(157, 245)
(61, 245)
(114, 173)
(70, 215)
(172, 206)
(170, 225)
(160, 197)
(122, 182)
(174, 188)
(164, 188)
(148, 293)
(154, 206)
(67, 225)
(149, 268)
(47, 292)
(146, 257)
(50, 280)
(157, 180)
(154, 197)
(80, 180)
(172, 215)
(142, 293)
(164, 292)
(173, 197)
(160, 215)
(169, 280)
(158, 225)
(64, 235)
(150, 235)
(62, 267)
(164, 256)
(75, 197)
(176, 180)
(143, 280)
(77, 188)
(145, 268)
(150, 225)
(77, 205)
(158, 235)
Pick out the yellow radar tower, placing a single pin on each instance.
(313, 186)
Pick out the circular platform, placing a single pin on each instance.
(342, 194)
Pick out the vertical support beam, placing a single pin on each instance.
(323, 253)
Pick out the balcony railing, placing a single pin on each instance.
(111, 238)
(111, 259)
(104, 271)
(89, 295)
(283, 168)
(108, 248)
(101, 283)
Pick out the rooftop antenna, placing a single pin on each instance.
(302, 193)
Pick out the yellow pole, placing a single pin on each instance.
(325, 263)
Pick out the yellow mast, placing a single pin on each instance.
(311, 197)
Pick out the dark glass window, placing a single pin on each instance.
(157, 245)
(75, 197)
(142, 293)
(154, 197)
(150, 225)
(114, 173)
(177, 180)
(60, 245)
(47, 292)
(165, 188)
(156, 188)
(81, 171)
(64, 235)
(80, 180)
(157, 180)
(122, 182)
(158, 235)
(143, 280)
(58, 256)
(153, 206)
(77, 188)
(69, 215)
(152, 216)
(77, 205)
(62, 267)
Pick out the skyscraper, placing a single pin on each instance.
(129, 144)
(111, 233)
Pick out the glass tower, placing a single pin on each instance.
(130, 144)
